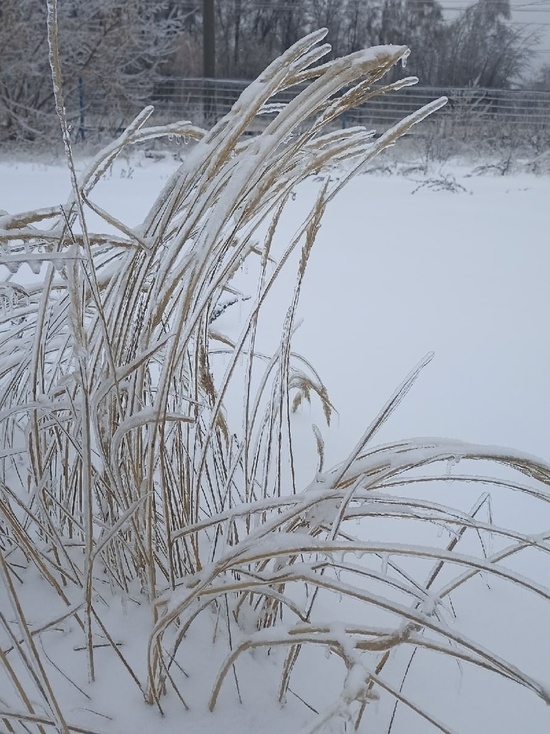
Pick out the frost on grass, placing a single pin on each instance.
(128, 472)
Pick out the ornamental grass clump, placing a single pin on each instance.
(127, 472)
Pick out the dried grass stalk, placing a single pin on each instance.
(139, 466)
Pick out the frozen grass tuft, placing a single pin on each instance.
(126, 471)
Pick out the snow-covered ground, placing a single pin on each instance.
(404, 264)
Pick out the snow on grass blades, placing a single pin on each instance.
(130, 471)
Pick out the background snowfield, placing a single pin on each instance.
(402, 266)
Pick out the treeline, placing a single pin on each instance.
(115, 52)
(477, 47)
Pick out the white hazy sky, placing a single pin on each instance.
(535, 15)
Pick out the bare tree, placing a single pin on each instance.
(483, 49)
(251, 34)
(541, 80)
(355, 24)
(112, 52)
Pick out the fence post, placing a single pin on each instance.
(81, 130)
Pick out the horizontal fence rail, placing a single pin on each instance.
(472, 116)
(201, 98)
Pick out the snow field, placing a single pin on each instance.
(393, 275)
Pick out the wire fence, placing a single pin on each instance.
(472, 116)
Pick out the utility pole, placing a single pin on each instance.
(209, 60)
(208, 39)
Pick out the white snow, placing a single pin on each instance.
(392, 277)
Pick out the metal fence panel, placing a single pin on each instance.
(471, 114)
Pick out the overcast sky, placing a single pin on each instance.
(535, 15)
